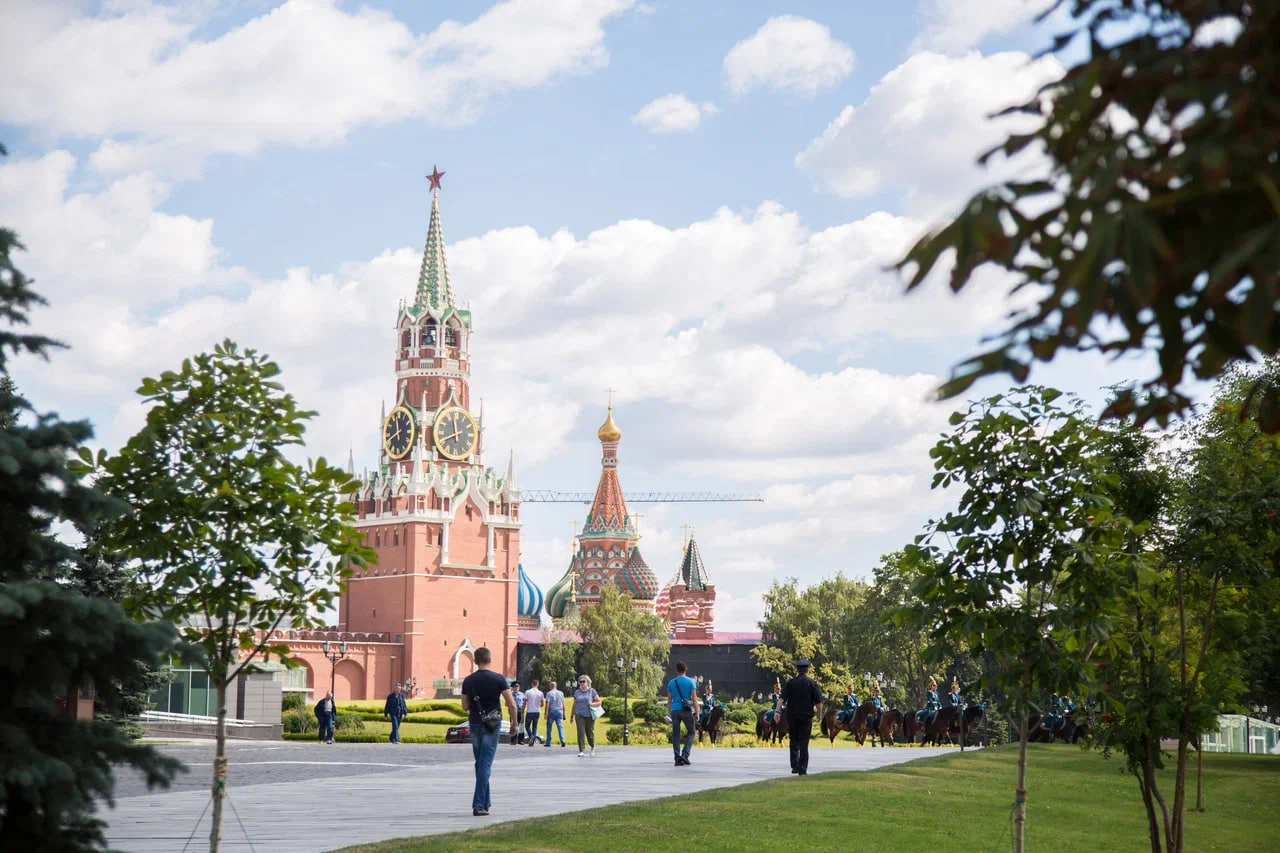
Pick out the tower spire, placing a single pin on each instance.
(433, 278)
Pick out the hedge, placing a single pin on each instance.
(368, 737)
(292, 701)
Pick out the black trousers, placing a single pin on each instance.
(799, 729)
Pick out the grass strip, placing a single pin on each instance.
(1077, 801)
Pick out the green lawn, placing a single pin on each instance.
(1077, 801)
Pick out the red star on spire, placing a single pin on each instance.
(435, 177)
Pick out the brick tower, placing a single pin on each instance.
(446, 528)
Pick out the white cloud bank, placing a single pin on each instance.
(922, 127)
(305, 73)
(788, 54)
(672, 113)
(955, 26)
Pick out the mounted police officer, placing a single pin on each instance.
(708, 704)
(773, 702)
(931, 704)
(849, 708)
(802, 698)
(874, 718)
(954, 698)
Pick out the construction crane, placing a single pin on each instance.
(550, 496)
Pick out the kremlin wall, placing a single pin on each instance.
(447, 530)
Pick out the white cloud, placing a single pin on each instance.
(788, 53)
(923, 126)
(952, 26)
(304, 73)
(1222, 30)
(672, 113)
(705, 328)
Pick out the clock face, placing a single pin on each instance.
(455, 433)
(398, 433)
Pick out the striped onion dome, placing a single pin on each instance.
(529, 604)
(560, 593)
(662, 604)
(637, 578)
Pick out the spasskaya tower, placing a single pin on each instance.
(445, 527)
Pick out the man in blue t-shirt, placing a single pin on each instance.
(684, 707)
(482, 691)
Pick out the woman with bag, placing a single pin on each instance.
(587, 708)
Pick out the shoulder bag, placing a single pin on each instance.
(491, 720)
(597, 711)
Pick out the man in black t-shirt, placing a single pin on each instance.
(483, 691)
(802, 698)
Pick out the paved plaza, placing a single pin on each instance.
(303, 798)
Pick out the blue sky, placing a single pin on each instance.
(183, 173)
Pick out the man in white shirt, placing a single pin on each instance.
(532, 711)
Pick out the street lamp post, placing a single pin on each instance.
(334, 657)
(626, 693)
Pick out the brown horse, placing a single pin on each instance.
(940, 725)
(772, 732)
(832, 726)
(888, 722)
(713, 726)
(911, 726)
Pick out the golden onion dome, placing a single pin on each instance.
(609, 431)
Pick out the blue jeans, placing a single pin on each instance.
(395, 729)
(484, 745)
(531, 725)
(678, 717)
(556, 717)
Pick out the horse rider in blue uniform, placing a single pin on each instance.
(1065, 706)
(931, 704)
(874, 718)
(1052, 717)
(849, 708)
(708, 703)
(954, 698)
(773, 701)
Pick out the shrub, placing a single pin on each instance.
(292, 701)
(349, 723)
(613, 710)
(299, 721)
(741, 716)
(649, 710)
(614, 735)
(368, 737)
(439, 717)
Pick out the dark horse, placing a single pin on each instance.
(911, 725)
(832, 725)
(948, 721)
(713, 726)
(772, 732)
(1068, 730)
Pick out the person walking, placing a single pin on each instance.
(517, 725)
(396, 709)
(585, 699)
(684, 704)
(326, 713)
(483, 691)
(555, 713)
(803, 699)
(532, 712)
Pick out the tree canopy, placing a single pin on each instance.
(612, 629)
(1157, 224)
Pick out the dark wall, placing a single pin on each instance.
(731, 669)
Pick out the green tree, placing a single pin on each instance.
(819, 612)
(231, 537)
(97, 573)
(1025, 573)
(53, 638)
(557, 660)
(878, 644)
(612, 629)
(1158, 223)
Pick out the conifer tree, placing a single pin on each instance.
(54, 640)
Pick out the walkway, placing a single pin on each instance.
(304, 798)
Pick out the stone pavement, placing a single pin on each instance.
(304, 798)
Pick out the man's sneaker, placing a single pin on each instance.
(679, 762)
(592, 753)
(479, 812)
(685, 759)
(582, 755)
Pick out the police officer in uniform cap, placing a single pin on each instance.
(803, 699)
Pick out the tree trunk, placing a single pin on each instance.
(1020, 796)
(1179, 796)
(1199, 772)
(219, 769)
(1153, 825)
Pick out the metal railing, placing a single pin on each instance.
(197, 719)
(552, 496)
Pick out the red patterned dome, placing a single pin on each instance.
(663, 602)
(637, 578)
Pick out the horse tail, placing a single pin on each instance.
(824, 723)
